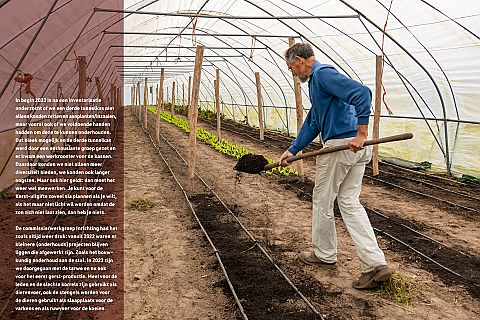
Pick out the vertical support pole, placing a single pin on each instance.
(166, 99)
(259, 102)
(118, 104)
(113, 101)
(145, 104)
(217, 103)
(160, 102)
(183, 95)
(132, 99)
(100, 95)
(189, 98)
(173, 99)
(376, 115)
(298, 106)
(82, 87)
(192, 143)
(138, 102)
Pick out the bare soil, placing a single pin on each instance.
(279, 218)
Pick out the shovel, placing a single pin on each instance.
(251, 163)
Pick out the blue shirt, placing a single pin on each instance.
(339, 104)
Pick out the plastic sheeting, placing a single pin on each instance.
(432, 60)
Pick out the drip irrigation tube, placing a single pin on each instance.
(256, 242)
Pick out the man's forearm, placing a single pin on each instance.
(362, 130)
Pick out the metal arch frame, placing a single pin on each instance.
(430, 54)
(27, 49)
(330, 47)
(400, 75)
(442, 102)
(445, 128)
(206, 31)
(403, 79)
(244, 73)
(451, 19)
(445, 152)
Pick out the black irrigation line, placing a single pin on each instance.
(4, 308)
(383, 181)
(216, 252)
(60, 313)
(421, 193)
(380, 214)
(429, 184)
(256, 242)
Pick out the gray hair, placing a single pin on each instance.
(303, 50)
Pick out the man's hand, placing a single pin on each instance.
(285, 155)
(356, 144)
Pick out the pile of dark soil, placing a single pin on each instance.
(251, 163)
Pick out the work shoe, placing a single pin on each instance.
(372, 279)
(310, 258)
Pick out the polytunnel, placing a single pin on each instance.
(428, 86)
(143, 150)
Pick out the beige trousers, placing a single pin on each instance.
(339, 175)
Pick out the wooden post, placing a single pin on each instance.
(160, 102)
(376, 115)
(113, 101)
(166, 98)
(183, 95)
(217, 104)
(189, 98)
(197, 73)
(298, 106)
(132, 101)
(138, 102)
(173, 99)
(259, 102)
(82, 87)
(118, 105)
(102, 103)
(145, 104)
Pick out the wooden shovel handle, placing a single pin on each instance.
(398, 137)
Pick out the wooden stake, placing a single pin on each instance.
(82, 87)
(138, 103)
(160, 103)
(298, 106)
(183, 94)
(172, 106)
(192, 143)
(145, 104)
(217, 104)
(376, 115)
(259, 102)
(189, 96)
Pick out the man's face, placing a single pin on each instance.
(298, 68)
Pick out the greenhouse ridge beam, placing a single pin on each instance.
(203, 34)
(182, 47)
(188, 15)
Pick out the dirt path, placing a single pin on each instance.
(280, 219)
(168, 266)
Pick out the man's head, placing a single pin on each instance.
(299, 59)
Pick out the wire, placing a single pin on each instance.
(383, 59)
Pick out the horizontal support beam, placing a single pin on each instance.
(212, 16)
(183, 56)
(163, 62)
(184, 47)
(203, 34)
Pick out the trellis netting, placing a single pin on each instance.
(431, 60)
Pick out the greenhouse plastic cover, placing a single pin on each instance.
(431, 53)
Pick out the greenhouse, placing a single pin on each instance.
(212, 159)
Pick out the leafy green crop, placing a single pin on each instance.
(221, 145)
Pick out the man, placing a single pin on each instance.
(340, 113)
